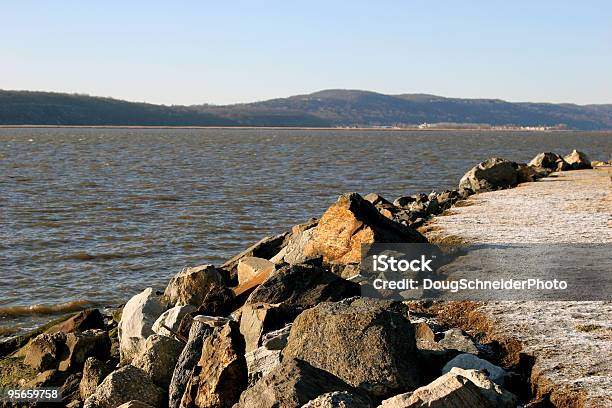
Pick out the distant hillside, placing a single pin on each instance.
(319, 109)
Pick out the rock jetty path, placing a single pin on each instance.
(570, 342)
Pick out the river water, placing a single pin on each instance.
(92, 216)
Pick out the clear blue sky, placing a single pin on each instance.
(189, 52)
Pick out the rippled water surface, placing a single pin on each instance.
(96, 214)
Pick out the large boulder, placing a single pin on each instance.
(260, 362)
(500, 397)
(190, 286)
(578, 160)
(338, 399)
(84, 320)
(492, 174)
(368, 343)
(265, 248)
(187, 360)
(139, 315)
(455, 339)
(471, 362)
(550, 161)
(293, 383)
(349, 223)
(171, 318)
(124, 385)
(449, 391)
(293, 252)
(221, 374)
(158, 358)
(94, 371)
(44, 351)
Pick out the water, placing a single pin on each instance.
(92, 216)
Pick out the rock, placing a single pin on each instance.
(550, 161)
(219, 301)
(43, 353)
(578, 160)
(290, 384)
(423, 334)
(187, 360)
(94, 371)
(276, 339)
(368, 343)
(84, 320)
(447, 198)
(221, 374)
(338, 399)
(250, 266)
(256, 319)
(349, 223)
(492, 174)
(493, 392)
(190, 286)
(123, 385)
(450, 390)
(139, 315)
(70, 388)
(135, 404)
(260, 362)
(293, 252)
(598, 163)
(457, 340)
(158, 358)
(376, 199)
(80, 346)
(471, 362)
(527, 173)
(171, 318)
(265, 248)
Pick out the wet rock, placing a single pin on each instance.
(265, 248)
(471, 362)
(260, 362)
(493, 392)
(338, 399)
(276, 339)
(158, 358)
(187, 360)
(250, 266)
(84, 320)
(457, 340)
(139, 315)
(349, 223)
(550, 161)
(368, 343)
(190, 286)
(492, 174)
(135, 404)
(293, 252)
(578, 160)
(221, 373)
(123, 385)
(450, 390)
(291, 384)
(43, 353)
(171, 318)
(94, 371)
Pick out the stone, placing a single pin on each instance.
(190, 286)
(260, 362)
(44, 351)
(276, 339)
(550, 161)
(457, 340)
(367, 343)
(171, 318)
(578, 160)
(94, 372)
(158, 358)
(598, 163)
(376, 199)
(187, 360)
(423, 333)
(80, 346)
(492, 174)
(471, 362)
(250, 266)
(219, 301)
(139, 315)
(349, 223)
(84, 320)
(338, 399)
(527, 173)
(293, 383)
(493, 392)
(265, 248)
(135, 404)
(124, 385)
(255, 320)
(448, 391)
(293, 252)
(221, 374)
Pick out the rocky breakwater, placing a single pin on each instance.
(282, 324)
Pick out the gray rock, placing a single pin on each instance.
(293, 252)
(338, 399)
(457, 340)
(44, 351)
(550, 161)
(578, 160)
(171, 318)
(276, 339)
(187, 360)
(158, 358)
(94, 371)
(500, 397)
(124, 385)
(471, 362)
(368, 343)
(190, 286)
(139, 315)
(260, 362)
(265, 248)
(492, 174)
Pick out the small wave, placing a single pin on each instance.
(85, 256)
(41, 309)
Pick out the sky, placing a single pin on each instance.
(221, 52)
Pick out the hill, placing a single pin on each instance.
(319, 109)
